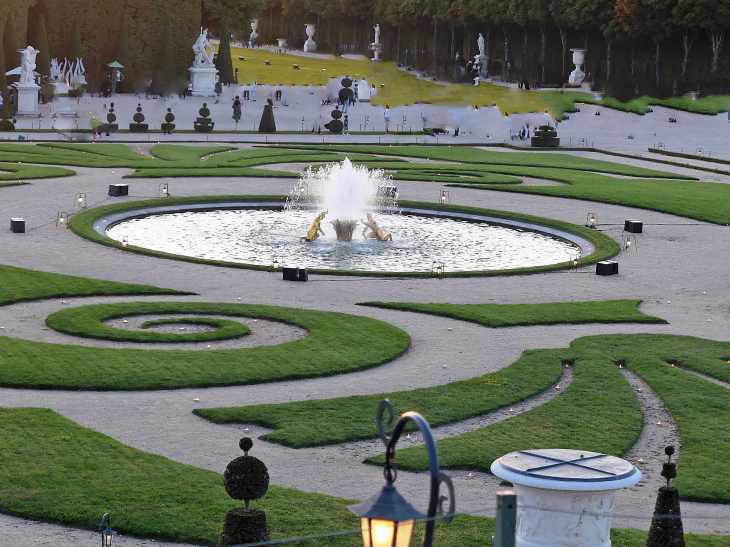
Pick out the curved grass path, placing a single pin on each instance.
(83, 224)
(54, 470)
(599, 411)
(337, 343)
(312, 423)
(88, 321)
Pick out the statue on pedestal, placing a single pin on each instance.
(377, 33)
(480, 43)
(27, 65)
(203, 57)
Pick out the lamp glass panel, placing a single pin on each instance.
(382, 532)
(108, 537)
(405, 531)
(365, 525)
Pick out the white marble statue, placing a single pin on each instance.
(377, 33)
(480, 43)
(55, 70)
(254, 32)
(27, 64)
(204, 51)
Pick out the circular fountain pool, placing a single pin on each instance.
(255, 233)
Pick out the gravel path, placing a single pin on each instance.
(677, 261)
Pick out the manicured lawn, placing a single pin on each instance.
(83, 225)
(598, 412)
(19, 284)
(704, 201)
(16, 174)
(337, 343)
(54, 470)
(313, 423)
(511, 315)
(88, 321)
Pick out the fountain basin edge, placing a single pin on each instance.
(93, 223)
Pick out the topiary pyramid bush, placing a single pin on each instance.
(138, 126)
(666, 525)
(168, 126)
(204, 124)
(545, 136)
(245, 478)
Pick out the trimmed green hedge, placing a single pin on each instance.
(88, 322)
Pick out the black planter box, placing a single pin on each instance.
(17, 225)
(607, 267)
(167, 128)
(295, 274)
(203, 125)
(116, 190)
(138, 127)
(633, 226)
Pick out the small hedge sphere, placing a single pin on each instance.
(138, 117)
(246, 478)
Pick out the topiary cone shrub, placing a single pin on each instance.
(168, 126)
(204, 124)
(545, 136)
(245, 478)
(111, 118)
(667, 532)
(138, 126)
(335, 125)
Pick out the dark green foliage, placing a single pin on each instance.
(666, 532)
(6, 125)
(122, 55)
(7, 110)
(43, 60)
(169, 117)
(138, 117)
(267, 123)
(10, 45)
(223, 61)
(165, 78)
(168, 126)
(246, 478)
(75, 48)
(244, 527)
(138, 126)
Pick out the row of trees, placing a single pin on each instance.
(633, 26)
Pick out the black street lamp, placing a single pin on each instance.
(387, 519)
(107, 534)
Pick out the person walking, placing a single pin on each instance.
(253, 92)
(237, 109)
(386, 117)
(346, 125)
(236, 75)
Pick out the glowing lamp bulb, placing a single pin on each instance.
(641, 460)
(557, 386)
(512, 409)
(81, 200)
(659, 422)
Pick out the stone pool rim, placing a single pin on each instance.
(93, 223)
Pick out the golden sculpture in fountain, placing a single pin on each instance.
(345, 228)
(315, 229)
(375, 231)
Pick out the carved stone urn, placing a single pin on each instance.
(310, 45)
(579, 57)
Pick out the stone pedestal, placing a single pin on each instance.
(564, 497)
(27, 99)
(203, 80)
(283, 42)
(377, 49)
(310, 45)
(484, 67)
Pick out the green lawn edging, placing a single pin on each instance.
(83, 225)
